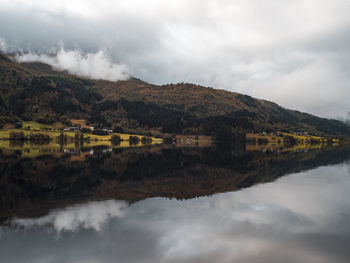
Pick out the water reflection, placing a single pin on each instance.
(302, 217)
(36, 183)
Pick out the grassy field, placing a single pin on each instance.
(5, 135)
(275, 140)
(54, 130)
(33, 150)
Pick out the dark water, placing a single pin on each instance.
(175, 204)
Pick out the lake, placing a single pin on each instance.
(167, 203)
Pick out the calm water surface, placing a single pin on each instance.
(169, 204)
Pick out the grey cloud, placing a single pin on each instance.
(3, 45)
(294, 53)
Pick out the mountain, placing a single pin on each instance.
(35, 91)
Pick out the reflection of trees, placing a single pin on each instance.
(137, 173)
(16, 143)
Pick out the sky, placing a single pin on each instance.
(295, 53)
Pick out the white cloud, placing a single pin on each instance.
(91, 65)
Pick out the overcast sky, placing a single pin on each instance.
(296, 53)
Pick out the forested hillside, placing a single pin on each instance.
(35, 91)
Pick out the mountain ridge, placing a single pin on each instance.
(36, 91)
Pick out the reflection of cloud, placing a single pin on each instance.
(93, 215)
(303, 217)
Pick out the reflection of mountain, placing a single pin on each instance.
(133, 174)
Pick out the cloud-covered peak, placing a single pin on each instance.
(90, 65)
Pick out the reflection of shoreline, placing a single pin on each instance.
(141, 172)
(30, 150)
(295, 148)
(284, 142)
